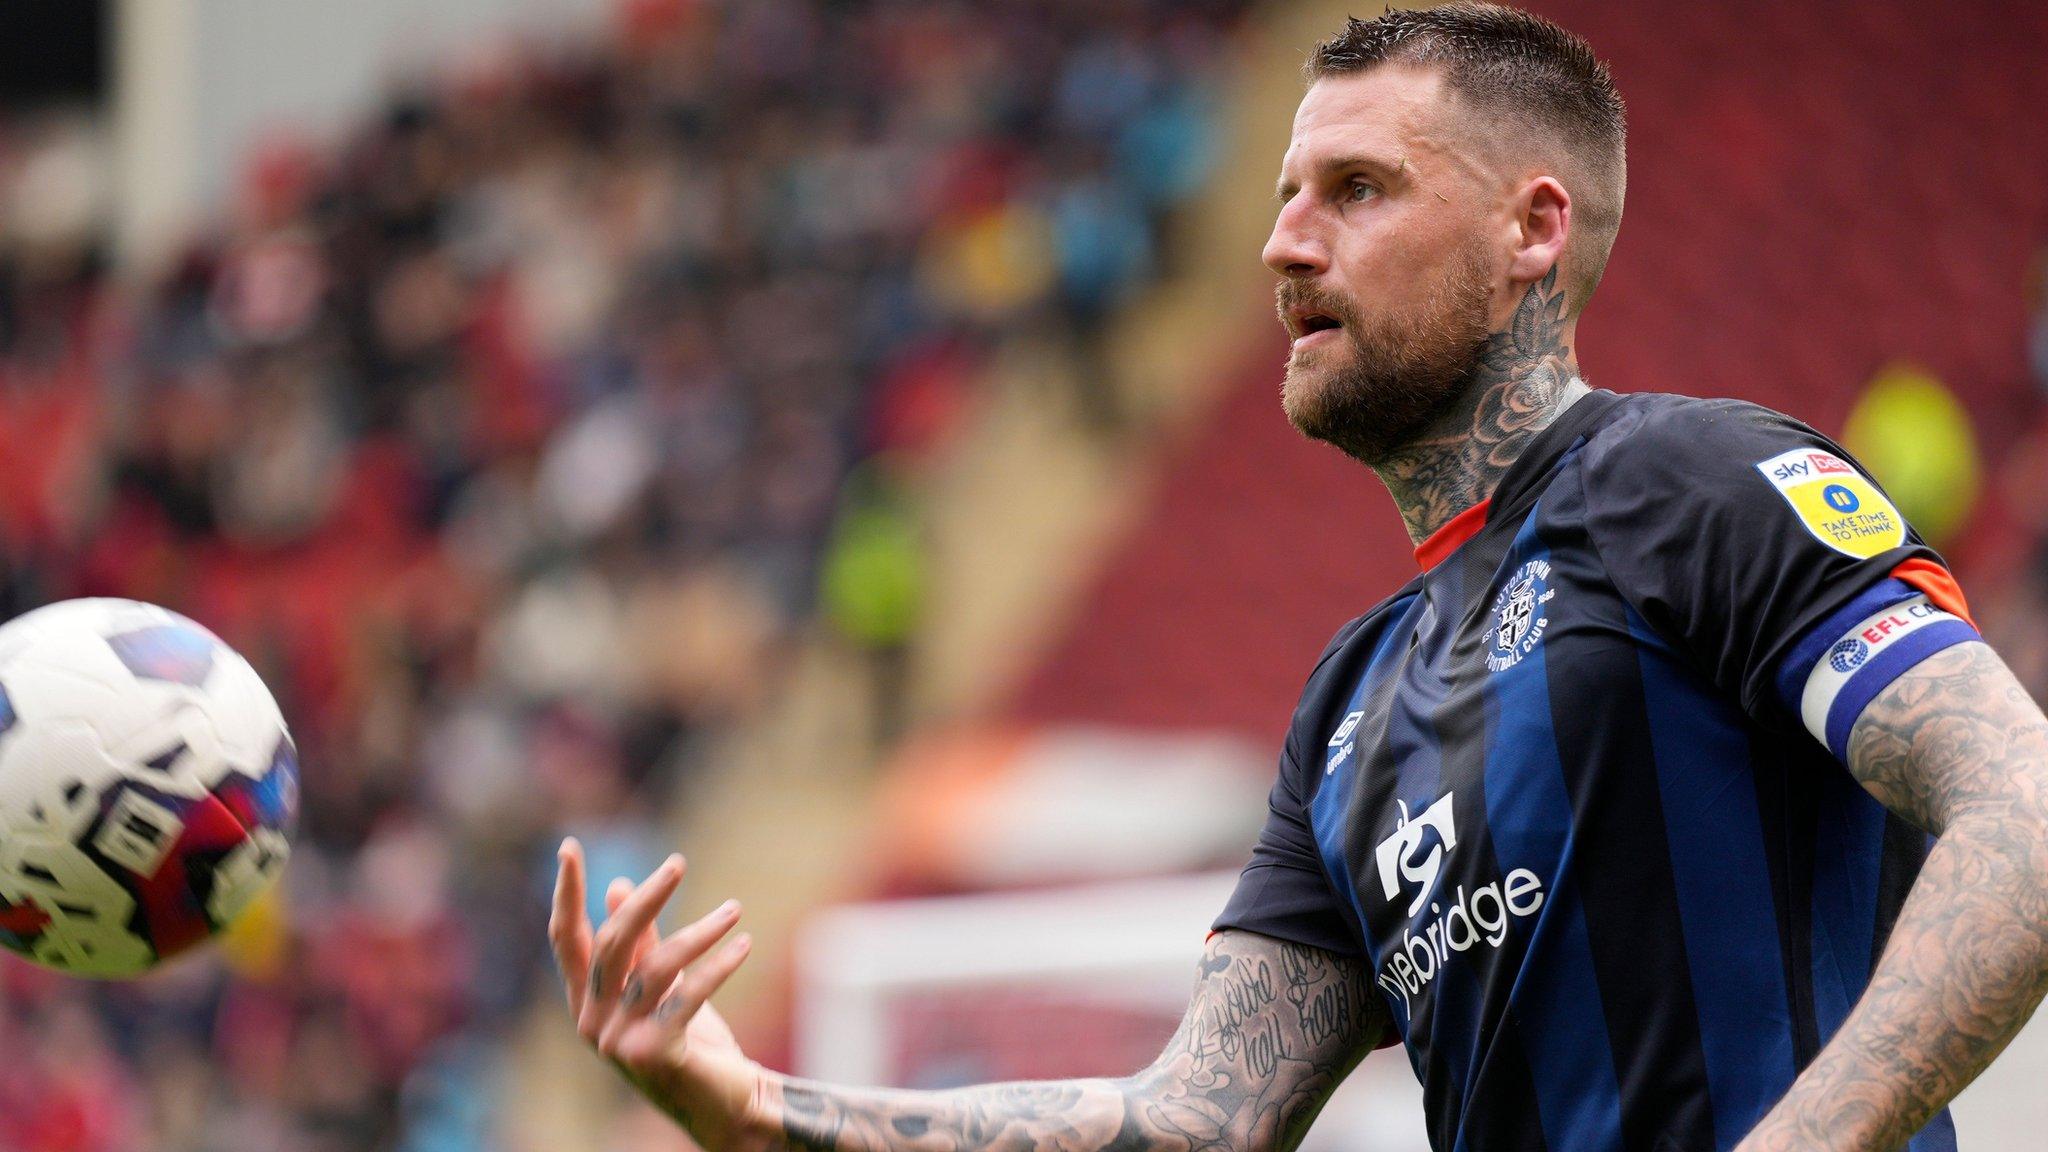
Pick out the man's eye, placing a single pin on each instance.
(1359, 192)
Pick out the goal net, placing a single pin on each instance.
(1087, 981)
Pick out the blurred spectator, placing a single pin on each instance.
(1915, 436)
(874, 588)
(511, 439)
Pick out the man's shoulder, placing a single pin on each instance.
(1664, 441)
(1360, 628)
(1353, 631)
(1332, 676)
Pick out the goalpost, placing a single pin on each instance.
(1078, 981)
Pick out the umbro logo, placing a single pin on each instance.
(1343, 741)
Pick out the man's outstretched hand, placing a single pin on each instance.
(640, 999)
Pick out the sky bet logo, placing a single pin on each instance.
(1416, 853)
(1834, 502)
(1814, 465)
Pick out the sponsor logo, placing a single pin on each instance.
(1858, 647)
(1848, 654)
(1345, 729)
(1343, 741)
(1400, 859)
(1518, 616)
(1834, 502)
(1807, 464)
(1459, 922)
(1880, 628)
(1465, 921)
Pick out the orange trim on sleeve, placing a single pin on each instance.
(1935, 581)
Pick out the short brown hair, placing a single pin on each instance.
(1512, 64)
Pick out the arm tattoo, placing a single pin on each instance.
(1273, 1028)
(1525, 376)
(1956, 747)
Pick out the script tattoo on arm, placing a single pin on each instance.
(1273, 1028)
(1526, 375)
(1957, 747)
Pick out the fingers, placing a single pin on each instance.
(658, 970)
(568, 927)
(614, 897)
(695, 986)
(612, 949)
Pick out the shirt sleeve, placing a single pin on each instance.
(1284, 892)
(1767, 555)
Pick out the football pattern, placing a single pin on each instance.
(148, 786)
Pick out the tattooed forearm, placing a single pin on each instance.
(1272, 1030)
(1526, 375)
(1956, 746)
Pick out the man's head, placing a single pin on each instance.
(1442, 162)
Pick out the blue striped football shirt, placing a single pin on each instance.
(1576, 793)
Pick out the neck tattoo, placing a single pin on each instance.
(1527, 375)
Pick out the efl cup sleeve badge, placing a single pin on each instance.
(1518, 616)
(1833, 500)
(1869, 656)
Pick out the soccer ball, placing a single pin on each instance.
(148, 787)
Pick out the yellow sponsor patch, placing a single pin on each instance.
(1842, 509)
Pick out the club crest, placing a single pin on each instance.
(1518, 616)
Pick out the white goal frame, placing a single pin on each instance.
(1128, 943)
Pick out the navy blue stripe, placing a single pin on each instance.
(1905, 850)
(1723, 882)
(1888, 665)
(1411, 727)
(1623, 854)
(1555, 996)
(1848, 852)
(1327, 812)
(1786, 802)
(1446, 1014)
(1938, 1136)
(1501, 1091)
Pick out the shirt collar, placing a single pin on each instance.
(1455, 531)
(1535, 460)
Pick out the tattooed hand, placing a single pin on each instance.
(1272, 1029)
(1955, 746)
(641, 1000)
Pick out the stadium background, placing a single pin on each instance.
(838, 439)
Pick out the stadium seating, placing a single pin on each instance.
(1815, 190)
(506, 436)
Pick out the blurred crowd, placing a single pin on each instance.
(512, 437)
(2022, 611)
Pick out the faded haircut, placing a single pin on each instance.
(1526, 72)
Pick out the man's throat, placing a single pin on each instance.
(1459, 459)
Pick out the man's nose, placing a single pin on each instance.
(1295, 249)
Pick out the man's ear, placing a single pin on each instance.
(1543, 213)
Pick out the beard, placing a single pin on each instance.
(1403, 369)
